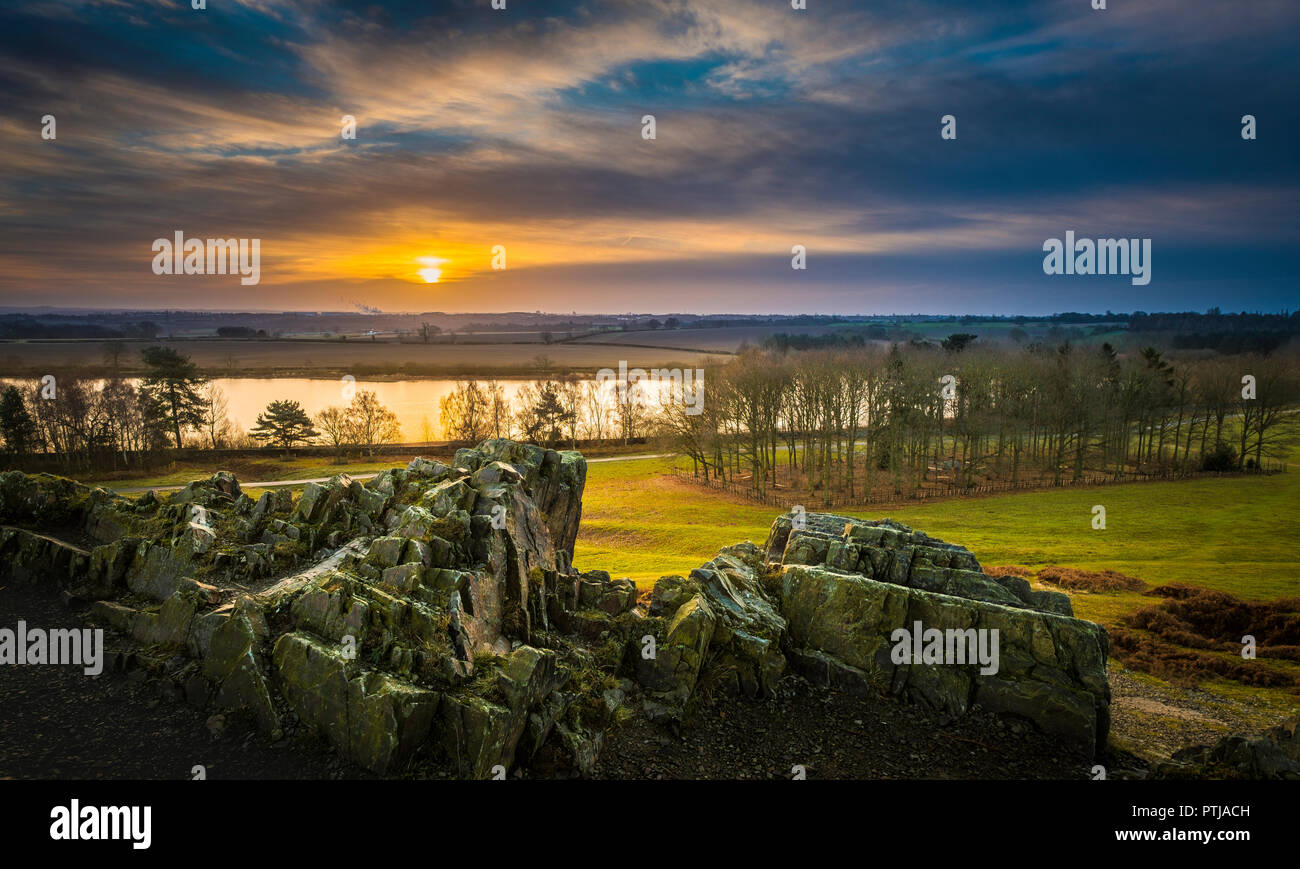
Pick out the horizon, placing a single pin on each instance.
(524, 128)
(36, 310)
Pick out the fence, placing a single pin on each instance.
(789, 497)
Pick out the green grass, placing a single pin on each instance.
(639, 523)
(260, 470)
(1235, 533)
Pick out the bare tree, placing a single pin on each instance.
(465, 412)
(215, 422)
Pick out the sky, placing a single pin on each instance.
(774, 127)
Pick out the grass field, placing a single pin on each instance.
(1234, 534)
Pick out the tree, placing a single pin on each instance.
(216, 421)
(542, 416)
(364, 422)
(428, 330)
(464, 412)
(285, 423)
(500, 417)
(112, 351)
(75, 423)
(571, 402)
(629, 410)
(125, 418)
(336, 427)
(595, 409)
(173, 387)
(16, 424)
(958, 341)
(1265, 419)
(374, 423)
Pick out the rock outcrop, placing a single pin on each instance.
(847, 585)
(1274, 754)
(434, 612)
(413, 611)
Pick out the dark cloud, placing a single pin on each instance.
(775, 127)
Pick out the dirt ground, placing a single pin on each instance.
(62, 724)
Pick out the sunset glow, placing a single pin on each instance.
(431, 271)
(766, 140)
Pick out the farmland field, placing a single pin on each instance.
(361, 358)
(720, 340)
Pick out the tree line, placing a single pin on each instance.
(844, 421)
(115, 422)
(551, 410)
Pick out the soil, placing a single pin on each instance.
(62, 724)
(1156, 719)
(834, 736)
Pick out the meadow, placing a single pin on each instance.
(1233, 534)
(1230, 533)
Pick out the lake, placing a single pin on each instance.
(416, 402)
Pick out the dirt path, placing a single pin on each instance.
(1154, 719)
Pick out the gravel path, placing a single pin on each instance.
(1156, 719)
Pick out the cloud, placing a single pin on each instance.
(522, 128)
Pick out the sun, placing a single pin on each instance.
(431, 273)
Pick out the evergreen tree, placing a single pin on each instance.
(16, 424)
(284, 423)
(174, 388)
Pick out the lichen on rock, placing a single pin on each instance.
(433, 614)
